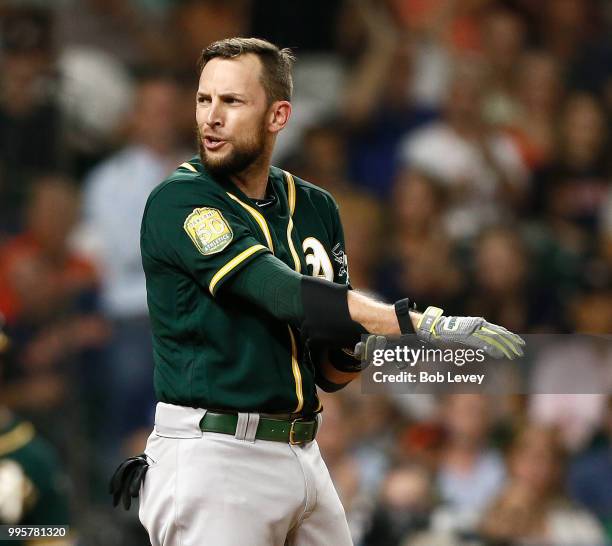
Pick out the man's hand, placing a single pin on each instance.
(474, 332)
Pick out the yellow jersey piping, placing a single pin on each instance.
(188, 166)
(16, 438)
(261, 221)
(291, 199)
(298, 267)
(296, 373)
(234, 262)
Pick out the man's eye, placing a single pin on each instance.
(203, 99)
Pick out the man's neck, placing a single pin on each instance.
(253, 181)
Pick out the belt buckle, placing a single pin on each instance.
(292, 433)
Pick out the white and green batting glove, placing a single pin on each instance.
(474, 332)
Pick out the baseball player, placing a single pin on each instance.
(33, 487)
(251, 309)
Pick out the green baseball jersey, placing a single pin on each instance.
(32, 486)
(212, 349)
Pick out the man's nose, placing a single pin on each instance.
(214, 118)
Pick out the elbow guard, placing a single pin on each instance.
(325, 384)
(328, 386)
(345, 361)
(326, 314)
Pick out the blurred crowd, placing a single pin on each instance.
(469, 146)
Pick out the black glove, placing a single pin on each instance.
(127, 479)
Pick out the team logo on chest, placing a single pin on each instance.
(317, 259)
(208, 230)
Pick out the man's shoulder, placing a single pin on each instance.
(185, 181)
(309, 190)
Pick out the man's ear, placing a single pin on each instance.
(279, 114)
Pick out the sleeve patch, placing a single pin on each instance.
(341, 260)
(208, 230)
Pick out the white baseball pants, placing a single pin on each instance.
(210, 489)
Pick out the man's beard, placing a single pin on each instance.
(244, 154)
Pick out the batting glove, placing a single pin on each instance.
(127, 479)
(474, 332)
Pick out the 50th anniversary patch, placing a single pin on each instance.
(208, 230)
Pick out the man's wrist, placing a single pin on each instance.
(427, 323)
(415, 317)
(374, 316)
(402, 312)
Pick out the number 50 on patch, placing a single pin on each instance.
(208, 230)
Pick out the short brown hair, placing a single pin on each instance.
(276, 63)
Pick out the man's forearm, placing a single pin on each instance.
(300, 299)
(332, 315)
(376, 317)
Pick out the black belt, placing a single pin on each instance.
(294, 432)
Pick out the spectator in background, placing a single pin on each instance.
(418, 204)
(323, 157)
(318, 73)
(537, 94)
(590, 476)
(404, 506)
(445, 29)
(334, 440)
(363, 222)
(605, 225)
(421, 441)
(456, 24)
(114, 198)
(377, 103)
(48, 296)
(574, 186)
(502, 286)
(33, 487)
(95, 93)
(563, 25)
(375, 442)
(480, 167)
(43, 249)
(124, 29)
(591, 69)
(361, 446)
(421, 260)
(470, 473)
(503, 36)
(427, 271)
(196, 23)
(30, 120)
(571, 376)
(532, 507)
